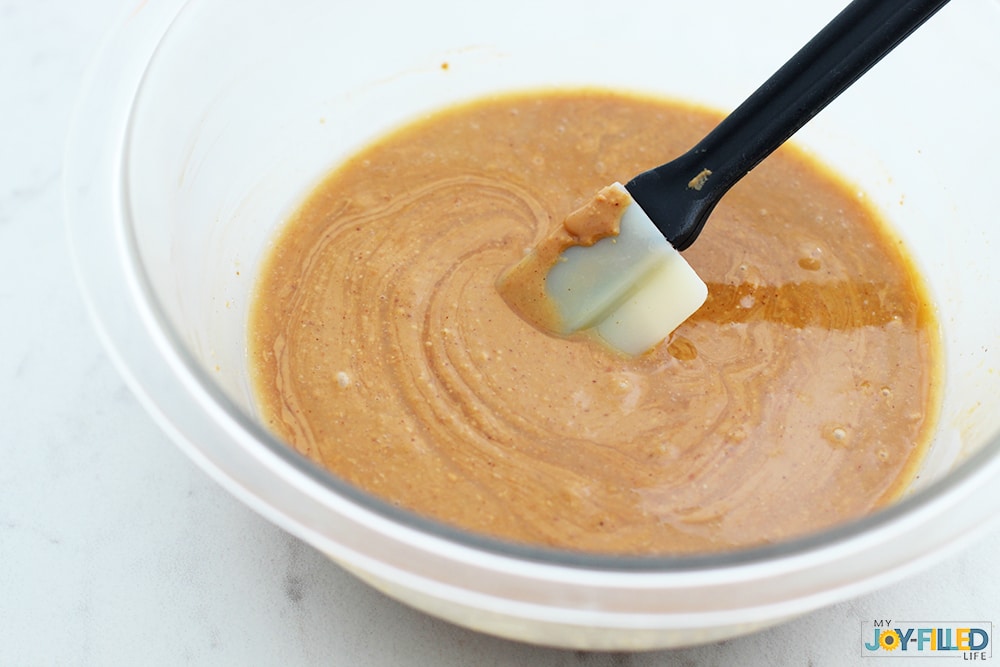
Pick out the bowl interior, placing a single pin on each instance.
(246, 105)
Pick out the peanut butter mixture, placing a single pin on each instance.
(801, 395)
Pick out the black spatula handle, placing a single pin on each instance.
(679, 195)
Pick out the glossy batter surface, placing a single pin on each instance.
(799, 396)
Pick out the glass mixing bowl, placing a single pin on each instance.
(204, 123)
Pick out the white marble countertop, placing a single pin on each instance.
(116, 550)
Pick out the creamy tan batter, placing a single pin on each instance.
(801, 395)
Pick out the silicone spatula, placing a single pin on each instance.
(634, 289)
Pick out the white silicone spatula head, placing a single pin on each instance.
(633, 289)
(609, 271)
